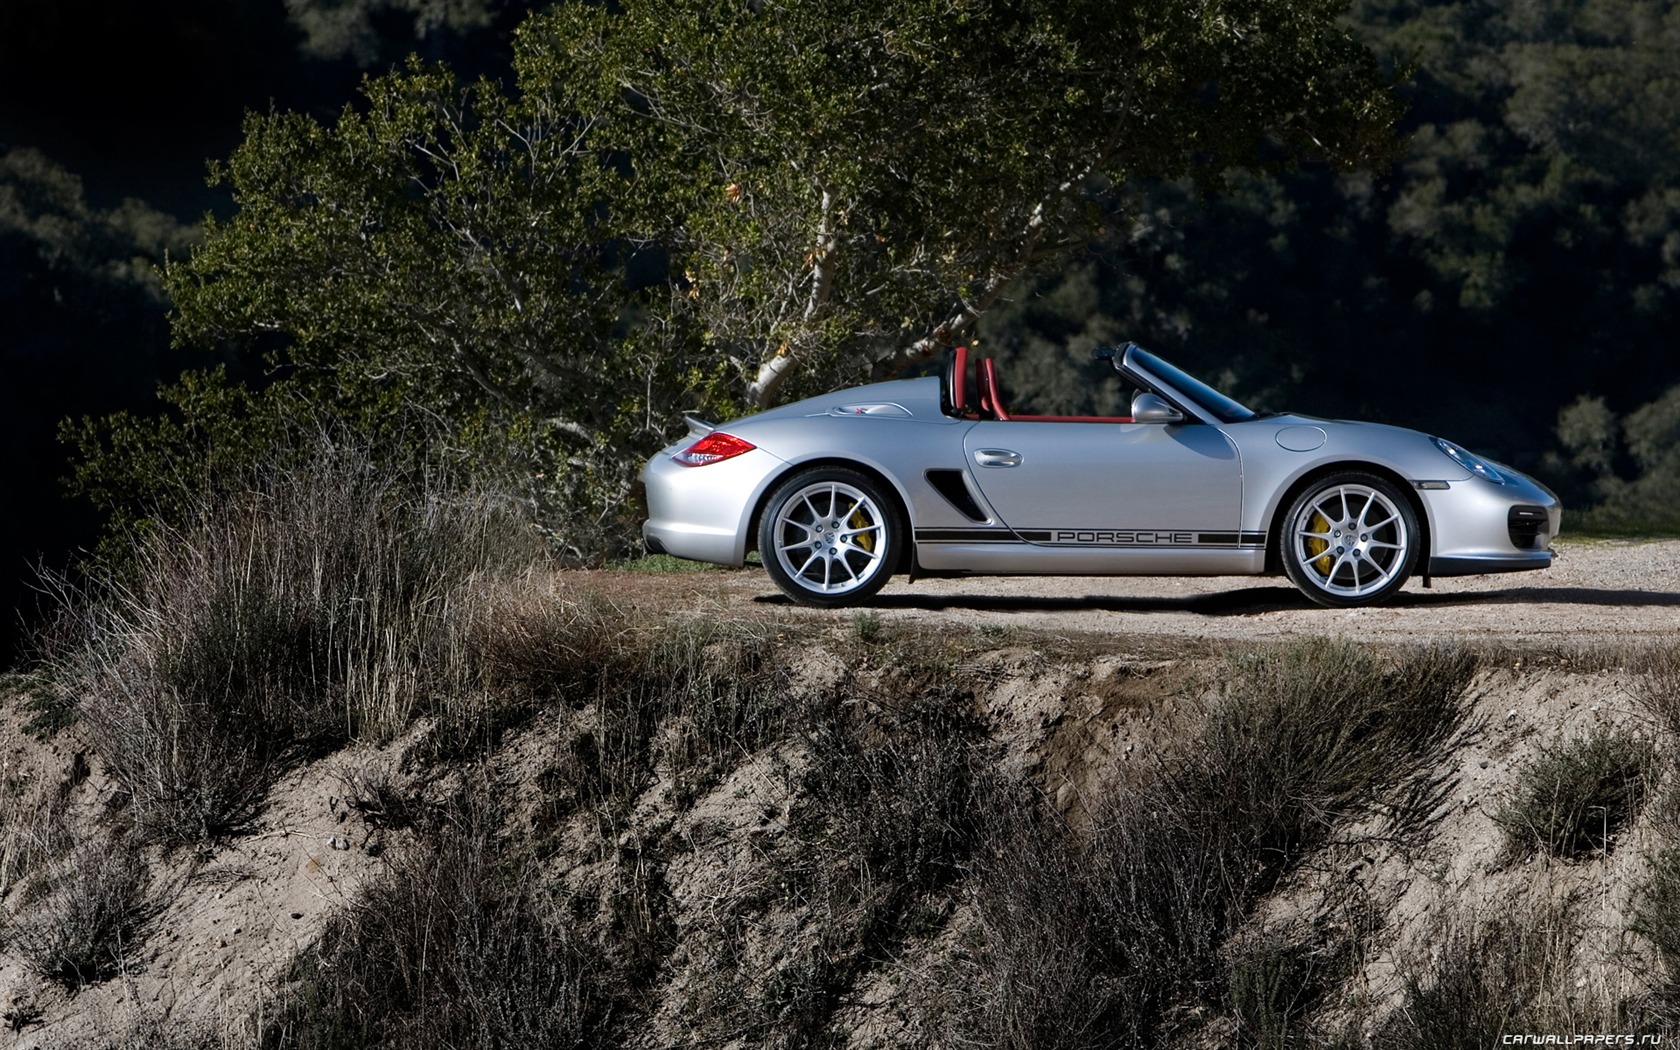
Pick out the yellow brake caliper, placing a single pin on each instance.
(866, 540)
(1317, 547)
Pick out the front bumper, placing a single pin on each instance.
(1480, 527)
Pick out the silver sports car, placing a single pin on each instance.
(935, 477)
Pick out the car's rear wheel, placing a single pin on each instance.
(830, 536)
(1350, 539)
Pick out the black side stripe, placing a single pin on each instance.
(1103, 538)
(967, 536)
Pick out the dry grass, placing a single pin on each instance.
(81, 917)
(1657, 685)
(460, 944)
(1113, 938)
(335, 604)
(1577, 794)
(1498, 975)
(283, 618)
(34, 827)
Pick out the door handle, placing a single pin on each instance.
(997, 457)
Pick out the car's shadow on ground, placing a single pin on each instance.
(1253, 601)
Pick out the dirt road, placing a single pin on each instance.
(1596, 591)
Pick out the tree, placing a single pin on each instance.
(681, 204)
(432, 270)
(846, 188)
(1524, 250)
(81, 309)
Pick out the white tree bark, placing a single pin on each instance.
(772, 373)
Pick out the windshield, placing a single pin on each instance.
(1222, 408)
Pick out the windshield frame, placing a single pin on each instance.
(1191, 395)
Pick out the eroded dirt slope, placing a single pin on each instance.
(1079, 682)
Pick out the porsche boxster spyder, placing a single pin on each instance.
(935, 477)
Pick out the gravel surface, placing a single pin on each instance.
(1596, 591)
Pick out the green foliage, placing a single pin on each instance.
(1523, 253)
(676, 206)
(132, 465)
(818, 232)
(1650, 499)
(334, 29)
(43, 207)
(430, 270)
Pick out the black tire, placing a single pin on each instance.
(1350, 539)
(830, 536)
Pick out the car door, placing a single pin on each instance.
(1115, 490)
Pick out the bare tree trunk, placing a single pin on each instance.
(761, 392)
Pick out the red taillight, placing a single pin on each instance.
(713, 448)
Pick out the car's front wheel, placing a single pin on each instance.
(830, 536)
(1350, 539)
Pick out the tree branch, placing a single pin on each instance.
(949, 330)
(772, 373)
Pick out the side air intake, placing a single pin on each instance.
(950, 484)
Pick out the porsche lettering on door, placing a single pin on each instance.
(1075, 484)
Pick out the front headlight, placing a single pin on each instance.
(1470, 461)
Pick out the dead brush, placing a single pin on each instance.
(1656, 684)
(33, 824)
(1498, 975)
(1309, 734)
(1111, 938)
(82, 915)
(1575, 795)
(288, 615)
(883, 821)
(685, 699)
(459, 944)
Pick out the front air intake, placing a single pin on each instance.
(1527, 526)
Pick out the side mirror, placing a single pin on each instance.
(1152, 408)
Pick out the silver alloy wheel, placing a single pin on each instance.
(1350, 541)
(830, 537)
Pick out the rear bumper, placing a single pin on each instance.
(704, 513)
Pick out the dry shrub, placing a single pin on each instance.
(306, 608)
(460, 944)
(1112, 938)
(1657, 917)
(1577, 794)
(884, 809)
(685, 698)
(33, 824)
(1656, 903)
(1493, 976)
(78, 919)
(1273, 983)
(1656, 685)
(886, 820)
